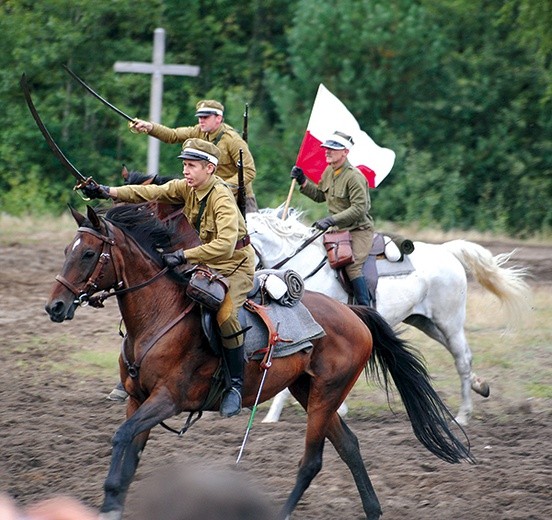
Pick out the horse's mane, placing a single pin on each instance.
(141, 223)
(291, 228)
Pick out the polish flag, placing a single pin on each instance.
(327, 116)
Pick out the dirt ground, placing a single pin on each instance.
(56, 425)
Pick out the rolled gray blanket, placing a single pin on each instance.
(405, 245)
(293, 281)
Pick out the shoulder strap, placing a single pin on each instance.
(202, 206)
(218, 138)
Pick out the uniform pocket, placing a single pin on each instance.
(208, 229)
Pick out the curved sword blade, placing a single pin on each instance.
(51, 143)
(97, 96)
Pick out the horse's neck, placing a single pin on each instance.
(136, 268)
(310, 263)
(173, 213)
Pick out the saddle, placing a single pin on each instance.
(270, 316)
(388, 257)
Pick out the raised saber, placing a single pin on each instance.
(97, 96)
(66, 163)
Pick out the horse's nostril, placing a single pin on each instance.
(55, 309)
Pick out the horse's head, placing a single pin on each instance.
(87, 267)
(96, 258)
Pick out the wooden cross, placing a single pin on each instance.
(157, 69)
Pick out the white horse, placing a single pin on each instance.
(432, 298)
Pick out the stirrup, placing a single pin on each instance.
(231, 403)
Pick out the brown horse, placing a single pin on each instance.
(167, 366)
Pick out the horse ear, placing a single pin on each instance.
(93, 217)
(124, 173)
(79, 217)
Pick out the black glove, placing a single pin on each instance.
(96, 191)
(324, 223)
(172, 260)
(298, 174)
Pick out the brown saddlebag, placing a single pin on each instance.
(207, 287)
(338, 247)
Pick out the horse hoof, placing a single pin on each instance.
(343, 410)
(462, 420)
(481, 387)
(117, 395)
(485, 390)
(110, 515)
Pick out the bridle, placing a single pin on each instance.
(86, 295)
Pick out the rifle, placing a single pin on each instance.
(245, 122)
(241, 186)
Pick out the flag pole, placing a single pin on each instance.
(288, 200)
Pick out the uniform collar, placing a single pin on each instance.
(213, 135)
(342, 168)
(204, 190)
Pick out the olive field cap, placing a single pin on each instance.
(338, 141)
(200, 150)
(208, 107)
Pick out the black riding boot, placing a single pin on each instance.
(232, 399)
(361, 291)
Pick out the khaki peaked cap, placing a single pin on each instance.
(196, 149)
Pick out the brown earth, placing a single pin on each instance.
(56, 425)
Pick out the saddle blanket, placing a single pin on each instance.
(295, 326)
(387, 268)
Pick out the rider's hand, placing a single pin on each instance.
(324, 223)
(298, 174)
(139, 126)
(172, 260)
(96, 191)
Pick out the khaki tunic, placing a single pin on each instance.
(220, 227)
(227, 140)
(348, 198)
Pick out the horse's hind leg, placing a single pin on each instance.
(346, 445)
(456, 343)
(310, 465)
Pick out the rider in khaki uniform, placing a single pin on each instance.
(210, 114)
(225, 243)
(346, 192)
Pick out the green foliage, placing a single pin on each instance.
(461, 90)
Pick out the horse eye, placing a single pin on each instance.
(88, 254)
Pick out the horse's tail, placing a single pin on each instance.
(428, 414)
(506, 283)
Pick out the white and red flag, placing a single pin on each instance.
(328, 115)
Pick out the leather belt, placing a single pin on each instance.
(242, 242)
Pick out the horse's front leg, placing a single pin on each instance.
(128, 443)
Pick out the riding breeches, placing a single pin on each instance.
(361, 243)
(227, 316)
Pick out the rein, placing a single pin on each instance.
(133, 368)
(86, 295)
(306, 243)
(97, 300)
(299, 249)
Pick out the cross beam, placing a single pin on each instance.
(157, 69)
